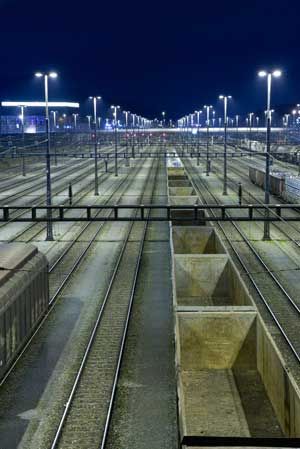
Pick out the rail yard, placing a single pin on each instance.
(158, 315)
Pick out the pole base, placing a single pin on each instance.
(266, 238)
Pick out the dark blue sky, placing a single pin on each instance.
(152, 56)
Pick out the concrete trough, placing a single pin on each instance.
(179, 183)
(231, 380)
(182, 191)
(207, 280)
(195, 240)
(175, 171)
(183, 200)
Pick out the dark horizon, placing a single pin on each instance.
(150, 58)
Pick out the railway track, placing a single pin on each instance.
(33, 230)
(282, 307)
(73, 255)
(85, 420)
(255, 198)
(56, 191)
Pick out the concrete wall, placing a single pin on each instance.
(282, 389)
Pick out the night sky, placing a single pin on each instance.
(152, 56)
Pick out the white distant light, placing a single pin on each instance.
(38, 104)
(229, 96)
(53, 75)
(262, 73)
(98, 98)
(277, 73)
(38, 74)
(221, 97)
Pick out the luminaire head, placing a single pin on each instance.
(51, 74)
(276, 73)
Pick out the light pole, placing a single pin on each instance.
(54, 135)
(115, 114)
(198, 124)
(268, 75)
(96, 152)
(237, 125)
(75, 122)
(22, 117)
(225, 99)
(53, 75)
(208, 108)
(126, 113)
(257, 123)
(163, 118)
(250, 128)
(89, 120)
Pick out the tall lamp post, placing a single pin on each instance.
(89, 120)
(257, 123)
(53, 75)
(22, 117)
(94, 99)
(126, 113)
(115, 114)
(225, 99)
(208, 108)
(237, 126)
(269, 76)
(250, 128)
(54, 135)
(75, 122)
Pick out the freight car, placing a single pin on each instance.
(292, 189)
(277, 180)
(24, 297)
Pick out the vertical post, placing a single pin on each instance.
(250, 130)
(116, 144)
(49, 236)
(267, 176)
(54, 137)
(225, 146)
(207, 140)
(96, 151)
(23, 143)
